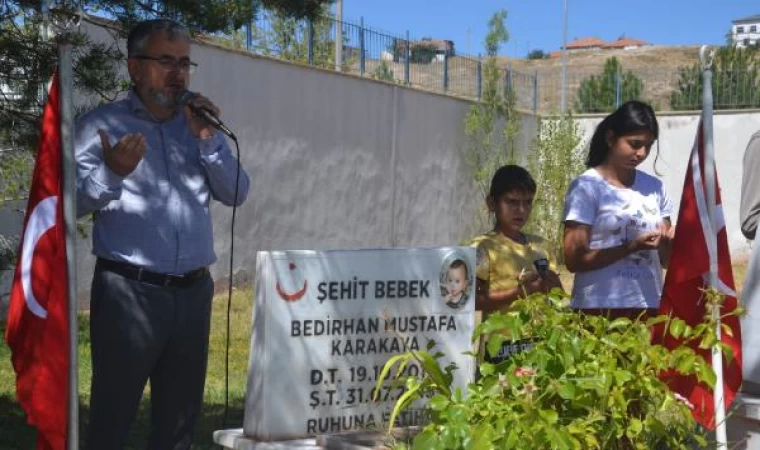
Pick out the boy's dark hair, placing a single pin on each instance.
(511, 178)
(458, 263)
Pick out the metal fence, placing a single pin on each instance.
(434, 65)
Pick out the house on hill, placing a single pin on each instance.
(746, 31)
(585, 44)
(594, 43)
(422, 51)
(624, 43)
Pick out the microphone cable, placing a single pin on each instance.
(229, 287)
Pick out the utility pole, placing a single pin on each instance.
(564, 60)
(339, 35)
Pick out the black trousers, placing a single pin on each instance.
(142, 332)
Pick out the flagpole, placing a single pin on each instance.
(69, 213)
(706, 59)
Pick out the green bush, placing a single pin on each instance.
(610, 89)
(588, 383)
(384, 72)
(735, 82)
(555, 160)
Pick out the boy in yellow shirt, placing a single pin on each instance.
(511, 263)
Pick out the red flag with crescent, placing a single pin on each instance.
(688, 276)
(37, 329)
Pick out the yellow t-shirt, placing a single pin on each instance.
(500, 259)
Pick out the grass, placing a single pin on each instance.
(15, 434)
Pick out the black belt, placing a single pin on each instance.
(138, 273)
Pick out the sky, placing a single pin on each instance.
(537, 24)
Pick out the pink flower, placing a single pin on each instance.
(683, 400)
(524, 372)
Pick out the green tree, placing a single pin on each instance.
(492, 125)
(735, 82)
(299, 9)
(422, 52)
(554, 161)
(610, 89)
(287, 37)
(384, 72)
(537, 54)
(497, 32)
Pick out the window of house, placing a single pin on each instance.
(753, 29)
(740, 29)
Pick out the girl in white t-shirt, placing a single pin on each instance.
(617, 220)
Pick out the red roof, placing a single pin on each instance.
(626, 42)
(589, 42)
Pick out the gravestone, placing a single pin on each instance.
(326, 322)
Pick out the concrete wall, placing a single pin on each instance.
(336, 161)
(677, 132)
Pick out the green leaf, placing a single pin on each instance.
(483, 438)
(634, 428)
(677, 327)
(549, 415)
(487, 369)
(567, 390)
(707, 374)
(559, 438)
(707, 341)
(401, 404)
(442, 381)
(438, 403)
(386, 370)
(494, 344)
(620, 323)
(622, 377)
(427, 440)
(727, 350)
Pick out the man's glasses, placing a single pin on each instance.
(169, 64)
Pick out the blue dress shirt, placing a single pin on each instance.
(157, 217)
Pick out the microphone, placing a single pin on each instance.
(542, 266)
(186, 98)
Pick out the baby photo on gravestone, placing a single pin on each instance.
(455, 281)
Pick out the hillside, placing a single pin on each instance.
(657, 66)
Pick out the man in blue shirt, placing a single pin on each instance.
(147, 168)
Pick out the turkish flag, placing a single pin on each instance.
(688, 274)
(38, 329)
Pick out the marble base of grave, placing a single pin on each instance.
(743, 423)
(234, 439)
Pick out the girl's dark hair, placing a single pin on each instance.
(633, 116)
(511, 178)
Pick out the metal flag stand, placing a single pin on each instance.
(63, 23)
(706, 61)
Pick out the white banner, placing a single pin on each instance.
(326, 322)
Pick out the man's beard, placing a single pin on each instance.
(162, 98)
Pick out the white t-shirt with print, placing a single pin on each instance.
(617, 215)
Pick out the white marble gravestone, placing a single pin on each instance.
(326, 322)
